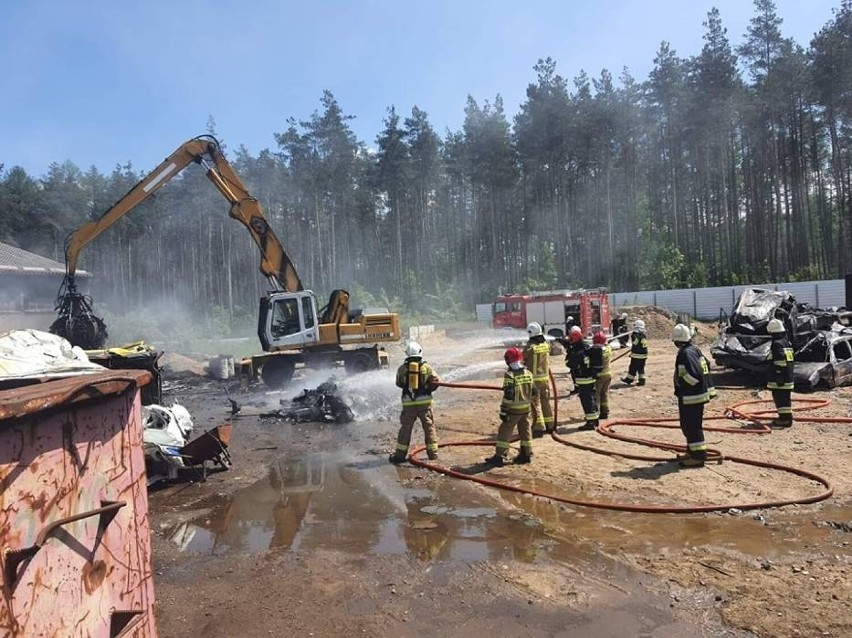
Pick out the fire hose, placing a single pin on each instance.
(733, 412)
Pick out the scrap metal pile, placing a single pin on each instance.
(321, 405)
(821, 338)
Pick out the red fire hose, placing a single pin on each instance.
(606, 429)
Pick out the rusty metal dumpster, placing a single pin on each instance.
(74, 532)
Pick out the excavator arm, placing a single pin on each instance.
(78, 323)
(206, 151)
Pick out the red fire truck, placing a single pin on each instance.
(555, 310)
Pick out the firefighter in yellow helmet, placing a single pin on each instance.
(518, 389)
(537, 360)
(417, 380)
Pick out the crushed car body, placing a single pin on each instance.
(821, 338)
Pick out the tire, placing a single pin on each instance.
(277, 372)
(360, 362)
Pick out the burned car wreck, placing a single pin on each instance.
(821, 339)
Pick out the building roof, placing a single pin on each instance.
(15, 260)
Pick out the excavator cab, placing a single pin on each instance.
(288, 320)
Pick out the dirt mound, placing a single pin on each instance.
(660, 321)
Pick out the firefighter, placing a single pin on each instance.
(619, 327)
(781, 384)
(537, 361)
(638, 353)
(693, 387)
(583, 375)
(518, 389)
(417, 380)
(600, 355)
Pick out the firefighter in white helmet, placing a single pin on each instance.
(417, 380)
(693, 387)
(781, 381)
(638, 353)
(537, 361)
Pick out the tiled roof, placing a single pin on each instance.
(16, 260)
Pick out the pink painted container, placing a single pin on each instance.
(75, 546)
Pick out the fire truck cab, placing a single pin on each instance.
(555, 310)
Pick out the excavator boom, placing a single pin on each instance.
(206, 151)
(291, 327)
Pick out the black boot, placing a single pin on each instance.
(433, 456)
(641, 382)
(523, 458)
(604, 414)
(627, 380)
(496, 460)
(396, 458)
(537, 434)
(589, 425)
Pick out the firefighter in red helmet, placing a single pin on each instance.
(600, 354)
(518, 390)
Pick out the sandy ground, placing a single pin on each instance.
(765, 572)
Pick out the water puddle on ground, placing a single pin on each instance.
(321, 502)
(367, 507)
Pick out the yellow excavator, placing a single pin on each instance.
(292, 328)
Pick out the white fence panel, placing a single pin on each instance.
(704, 303)
(711, 300)
(642, 298)
(483, 312)
(832, 293)
(677, 300)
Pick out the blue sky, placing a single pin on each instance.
(106, 82)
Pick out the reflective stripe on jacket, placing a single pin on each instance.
(600, 356)
(579, 361)
(421, 396)
(517, 390)
(692, 381)
(639, 345)
(537, 358)
(781, 355)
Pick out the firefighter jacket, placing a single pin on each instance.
(692, 381)
(418, 381)
(638, 345)
(537, 358)
(781, 354)
(518, 388)
(580, 363)
(600, 356)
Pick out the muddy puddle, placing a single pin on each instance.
(368, 507)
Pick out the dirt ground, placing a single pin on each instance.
(381, 550)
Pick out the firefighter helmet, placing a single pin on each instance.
(775, 326)
(599, 338)
(534, 329)
(513, 355)
(639, 325)
(624, 315)
(413, 349)
(575, 336)
(681, 334)
(575, 329)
